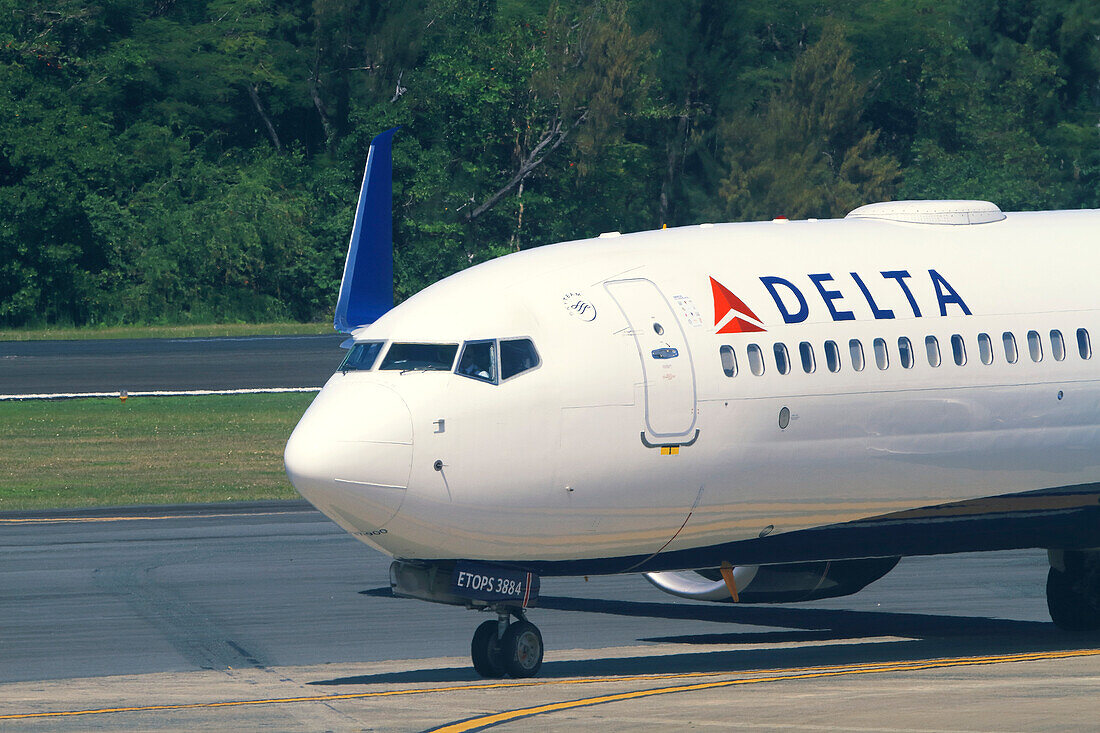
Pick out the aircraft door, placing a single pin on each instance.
(667, 370)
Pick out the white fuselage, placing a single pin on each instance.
(625, 441)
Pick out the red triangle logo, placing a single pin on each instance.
(737, 325)
(726, 302)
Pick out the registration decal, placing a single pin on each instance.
(491, 583)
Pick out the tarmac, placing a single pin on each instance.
(111, 365)
(267, 615)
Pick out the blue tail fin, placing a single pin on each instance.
(366, 292)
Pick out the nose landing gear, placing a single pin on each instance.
(501, 648)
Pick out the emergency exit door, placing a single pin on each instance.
(667, 370)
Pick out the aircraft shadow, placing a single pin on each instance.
(922, 636)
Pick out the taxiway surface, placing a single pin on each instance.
(110, 365)
(269, 615)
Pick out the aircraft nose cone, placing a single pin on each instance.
(351, 454)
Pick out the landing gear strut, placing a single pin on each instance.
(501, 648)
(1073, 589)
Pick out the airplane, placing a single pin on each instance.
(758, 412)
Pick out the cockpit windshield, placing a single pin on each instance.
(516, 357)
(361, 357)
(479, 361)
(420, 357)
(495, 361)
(487, 360)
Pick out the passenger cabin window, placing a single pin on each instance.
(516, 357)
(1057, 345)
(1035, 345)
(782, 361)
(958, 349)
(932, 348)
(756, 360)
(420, 357)
(361, 357)
(806, 351)
(1011, 354)
(882, 358)
(855, 350)
(832, 356)
(478, 361)
(1084, 346)
(905, 353)
(729, 360)
(985, 348)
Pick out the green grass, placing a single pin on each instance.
(178, 331)
(150, 450)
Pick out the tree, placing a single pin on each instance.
(997, 119)
(807, 151)
(590, 77)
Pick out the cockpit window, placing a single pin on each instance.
(361, 357)
(516, 357)
(478, 361)
(484, 360)
(420, 357)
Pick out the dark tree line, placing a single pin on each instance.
(199, 159)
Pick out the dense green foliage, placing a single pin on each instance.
(194, 160)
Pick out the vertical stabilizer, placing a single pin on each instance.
(366, 292)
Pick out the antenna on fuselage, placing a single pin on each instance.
(366, 290)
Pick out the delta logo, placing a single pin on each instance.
(731, 315)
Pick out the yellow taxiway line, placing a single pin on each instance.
(754, 677)
(487, 721)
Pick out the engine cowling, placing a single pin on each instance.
(699, 587)
(788, 583)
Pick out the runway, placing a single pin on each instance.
(110, 365)
(268, 615)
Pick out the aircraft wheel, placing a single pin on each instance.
(522, 649)
(486, 651)
(1071, 607)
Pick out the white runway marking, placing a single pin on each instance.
(156, 393)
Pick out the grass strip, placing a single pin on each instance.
(211, 330)
(151, 450)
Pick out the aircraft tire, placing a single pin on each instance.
(522, 649)
(1070, 609)
(485, 650)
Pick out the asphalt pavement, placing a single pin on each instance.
(111, 365)
(271, 605)
(152, 589)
